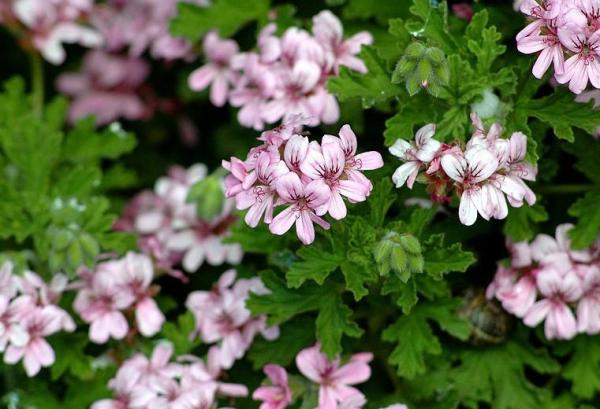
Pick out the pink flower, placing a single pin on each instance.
(260, 199)
(588, 307)
(102, 303)
(36, 353)
(334, 379)
(356, 164)
(551, 50)
(295, 94)
(123, 385)
(421, 152)
(138, 273)
(477, 165)
(252, 90)
(107, 87)
(52, 23)
(11, 328)
(327, 163)
(306, 202)
(277, 395)
(328, 30)
(584, 65)
(520, 297)
(137, 26)
(558, 291)
(170, 229)
(222, 317)
(218, 71)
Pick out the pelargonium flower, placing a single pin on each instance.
(222, 317)
(28, 314)
(138, 26)
(114, 287)
(107, 87)
(170, 229)
(285, 76)
(333, 378)
(36, 353)
(167, 382)
(548, 281)
(277, 395)
(218, 71)
(567, 35)
(50, 24)
(485, 173)
(309, 179)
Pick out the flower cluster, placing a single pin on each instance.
(547, 280)
(107, 87)
(160, 382)
(28, 314)
(140, 26)
(308, 178)
(566, 34)
(47, 25)
(482, 173)
(170, 229)
(114, 287)
(285, 76)
(223, 319)
(333, 378)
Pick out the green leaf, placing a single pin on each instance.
(70, 356)
(583, 368)
(333, 321)
(441, 259)
(415, 338)
(483, 42)
(282, 304)
(521, 222)
(380, 200)
(587, 229)
(371, 88)
(433, 24)
(83, 143)
(562, 112)
(294, 336)
(587, 152)
(226, 16)
(315, 264)
(402, 125)
(500, 375)
(256, 240)
(179, 334)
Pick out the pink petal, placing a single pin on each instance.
(148, 317)
(283, 221)
(200, 78)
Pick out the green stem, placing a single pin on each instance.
(37, 83)
(565, 189)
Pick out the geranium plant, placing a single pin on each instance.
(336, 204)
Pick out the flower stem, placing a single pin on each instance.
(565, 189)
(37, 83)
